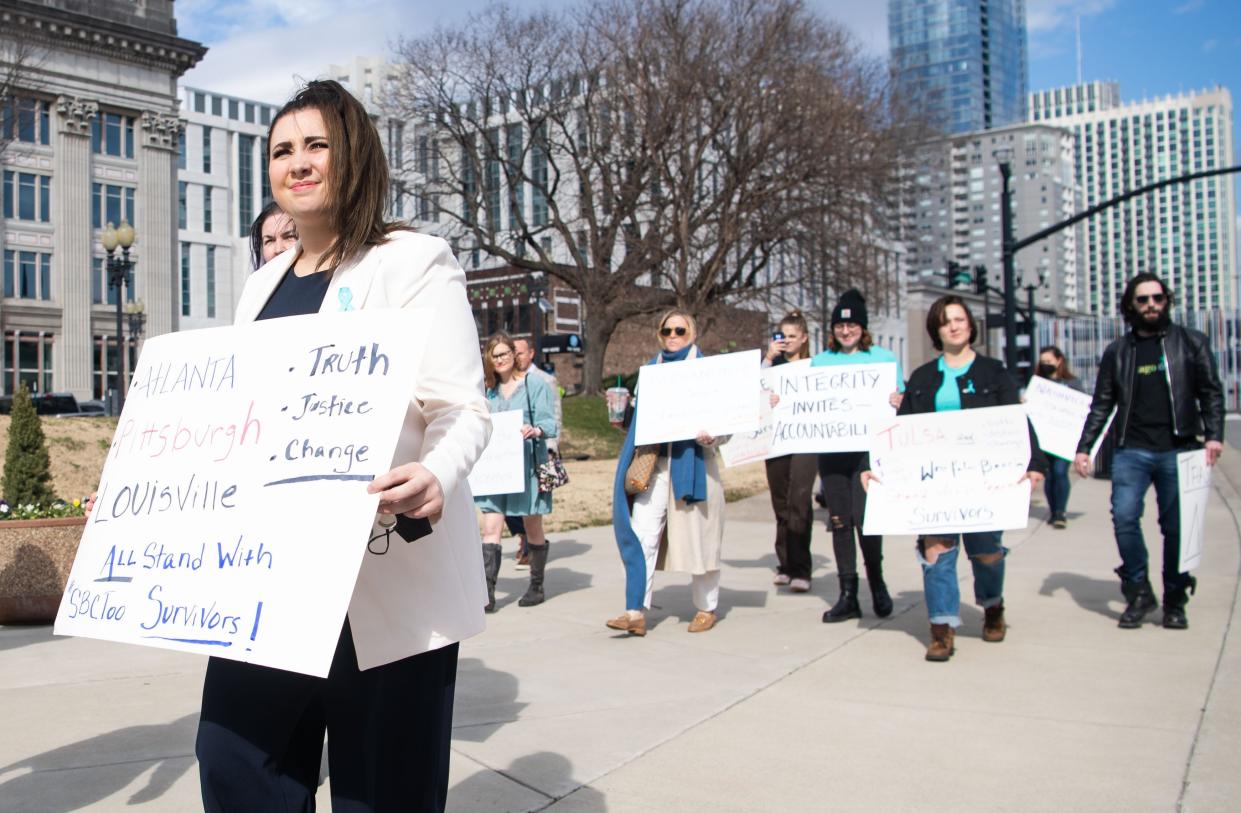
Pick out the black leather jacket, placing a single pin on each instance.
(1193, 382)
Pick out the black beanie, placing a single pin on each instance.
(850, 308)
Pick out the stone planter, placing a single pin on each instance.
(35, 558)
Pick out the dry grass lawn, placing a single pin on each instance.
(78, 447)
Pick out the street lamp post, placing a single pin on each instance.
(119, 269)
(1010, 273)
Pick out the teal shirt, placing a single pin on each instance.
(948, 396)
(875, 355)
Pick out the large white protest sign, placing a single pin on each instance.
(232, 513)
(714, 394)
(1058, 414)
(949, 472)
(750, 447)
(1193, 480)
(829, 409)
(501, 468)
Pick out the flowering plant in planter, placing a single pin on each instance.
(55, 509)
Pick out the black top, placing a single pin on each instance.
(297, 296)
(1150, 421)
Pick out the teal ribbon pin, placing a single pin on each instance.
(346, 299)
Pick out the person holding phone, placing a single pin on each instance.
(790, 477)
(387, 701)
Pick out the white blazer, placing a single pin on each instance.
(429, 593)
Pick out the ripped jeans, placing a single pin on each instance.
(939, 580)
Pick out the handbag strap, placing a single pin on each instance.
(525, 382)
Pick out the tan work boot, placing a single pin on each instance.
(993, 627)
(942, 646)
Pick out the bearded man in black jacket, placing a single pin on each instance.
(1162, 381)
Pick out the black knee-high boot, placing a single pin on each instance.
(538, 563)
(491, 569)
(872, 555)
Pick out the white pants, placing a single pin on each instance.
(650, 514)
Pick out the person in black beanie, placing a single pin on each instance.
(850, 342)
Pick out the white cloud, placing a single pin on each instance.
(868, 21)
(1189, 6)
(1210, 45)
(1051, 15)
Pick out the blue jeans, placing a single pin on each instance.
(1133, 472)
(1057, 485)
(939, 581)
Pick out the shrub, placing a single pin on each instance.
(27, 467)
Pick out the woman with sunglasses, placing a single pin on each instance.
(680, 514)
(507, 389)
(387, 700)
(1053, 366)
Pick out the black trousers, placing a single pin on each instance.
(791, 481)
(846, 506)
(260, 736)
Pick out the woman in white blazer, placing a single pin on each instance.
(387, 701)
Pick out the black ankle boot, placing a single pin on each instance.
(1141, 600)
(846, 606)
(1174, 602)
(491, 569)
(880, 599)
(538, 562)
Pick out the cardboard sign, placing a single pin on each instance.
(831, 408)
(750, 447)
(501, 469)
(1193, 483)
(1058, 414)
(232, 513)
(714, 394)
(950, 472)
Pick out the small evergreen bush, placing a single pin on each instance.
(27, 467)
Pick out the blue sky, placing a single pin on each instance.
(1152, 47)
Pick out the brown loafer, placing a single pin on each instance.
(702, 622)
(633, 626)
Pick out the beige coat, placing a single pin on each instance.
(428, 594)
(694, 535)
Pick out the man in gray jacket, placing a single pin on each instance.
(1162, 382)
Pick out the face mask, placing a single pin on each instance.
(1046, 370)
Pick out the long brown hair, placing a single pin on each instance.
(489, 367)
(1063, 373)
(357, 175)
(795, 318)
(863, 344)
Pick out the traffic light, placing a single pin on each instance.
(980, 279)
(958, 275)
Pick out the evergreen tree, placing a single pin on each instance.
(27, 468)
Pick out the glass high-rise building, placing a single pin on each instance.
(961, 62)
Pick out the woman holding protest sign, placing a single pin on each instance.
(790, 477)
(508, 390)
(850, 342)
(1053, 366)
(673, 487)
(961, 379)
(387, 701)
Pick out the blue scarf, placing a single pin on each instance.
(689, 483)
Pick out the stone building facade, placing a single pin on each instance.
(93, 137)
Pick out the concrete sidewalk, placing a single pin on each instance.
(771, 710)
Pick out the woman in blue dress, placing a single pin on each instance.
(508, 391)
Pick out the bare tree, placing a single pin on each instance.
(645, 152)
(19, 58)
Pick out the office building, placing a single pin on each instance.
(962, 61)
(89, 137)
(953, 210)
(1185, 233)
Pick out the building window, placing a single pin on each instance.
(245, 183)
(111, 204)
(105, 363)
(249, 113)
(396, 141)
(101, 291)
(217, 106)
(232, 109)
(207, 209)
(25, 119)
(207, 149)
(185, 279)
(538, 175)
(181, 149)
(182, 192)
(27, 196)
(516, 189)
(113, 134)
(264, 181)
(28, 360)
(211, 282)
(27, 275)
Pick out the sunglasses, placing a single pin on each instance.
(668, 331)
(1158, 299)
